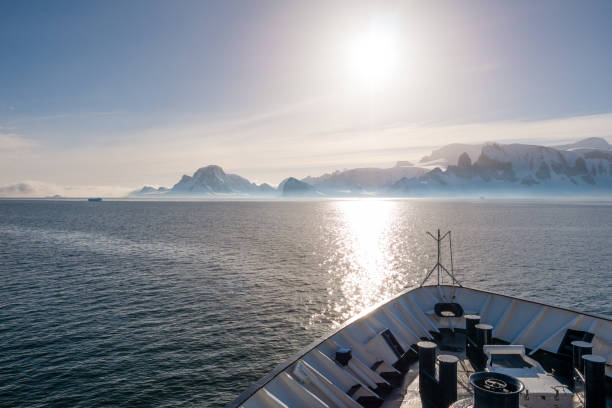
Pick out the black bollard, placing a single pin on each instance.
(483, 337)
(594, 381)
(470, 330)
(579, 349)
(447, 390)
(427, 373)
(483, 334)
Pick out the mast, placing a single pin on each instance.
(438, 266)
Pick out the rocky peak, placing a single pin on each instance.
(464, 161)
(295, 187)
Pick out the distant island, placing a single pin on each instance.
(581, 168)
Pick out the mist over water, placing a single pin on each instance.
(185, 303)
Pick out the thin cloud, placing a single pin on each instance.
(273, 147)
(40, 189)
(10, 142)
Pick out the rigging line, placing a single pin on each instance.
(450, 243)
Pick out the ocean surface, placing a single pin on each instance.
(187, 303)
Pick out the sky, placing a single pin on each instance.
(107, 96)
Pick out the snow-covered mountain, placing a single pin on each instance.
(518, 168)
(449, 154)
(292, 187)
(149, 191)
(363, 180)
(213, 180)
(583, 167)
(209, 180)
(591, 143)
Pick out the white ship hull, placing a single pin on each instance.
(381, 344)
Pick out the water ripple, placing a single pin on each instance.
(181, 304)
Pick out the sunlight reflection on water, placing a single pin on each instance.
(367, 259)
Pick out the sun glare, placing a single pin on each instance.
(366, 241)
(373, 57)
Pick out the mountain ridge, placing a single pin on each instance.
(579, 167)
(517, 168)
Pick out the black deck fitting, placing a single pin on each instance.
(447, 389)
(427, 373)
(483, 337)
(470, 335)
(579, 349)
(594, 381)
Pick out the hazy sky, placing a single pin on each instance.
(117, 94)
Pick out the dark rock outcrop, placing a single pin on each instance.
(293, 187)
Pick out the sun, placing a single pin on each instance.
(372, 57)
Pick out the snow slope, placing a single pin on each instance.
(518, 168)
(363, 180)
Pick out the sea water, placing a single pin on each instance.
(188, 303)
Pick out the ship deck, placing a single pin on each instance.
(347, 367)
(407, 395)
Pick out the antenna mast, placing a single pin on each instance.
(438, 266)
